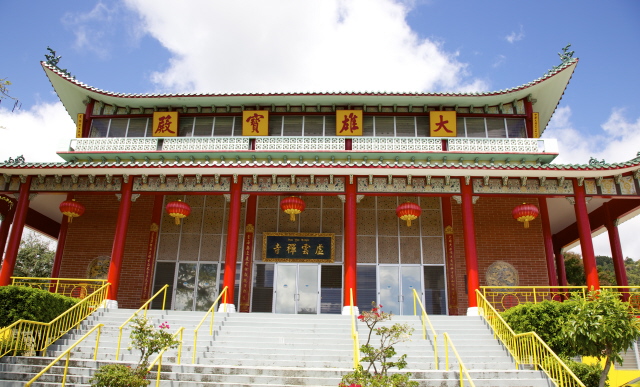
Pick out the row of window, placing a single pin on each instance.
(313, 126)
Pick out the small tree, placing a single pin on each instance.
(35, 257)
(600, 325)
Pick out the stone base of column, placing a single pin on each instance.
(346, 311)
(231, 308)
(473, 311)
(111, 304)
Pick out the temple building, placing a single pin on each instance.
(299, 202)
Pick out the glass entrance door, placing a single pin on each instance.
(195, 286)
(396, 287)
(296, 289)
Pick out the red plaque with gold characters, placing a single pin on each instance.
(165, 124)
(255, 123)
(348, 122)
(442, 124)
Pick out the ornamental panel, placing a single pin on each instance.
(396, 144)
(300, 184)
(514, 186)
(205, 144)
(590, 187)
(626, 186)
(399, 185)
(493, 145)
(300, 143)
(608, 187)
(115, 144)
(182, 184)
(75, 183)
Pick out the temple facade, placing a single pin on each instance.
(301, 202)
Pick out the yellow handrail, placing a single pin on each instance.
(37, 336)
(158, 358)
(212, 311)
(354, 333)
(424, 317)
(144, 306)
(464, 373)
(527, 348)
(71, 287)
(67, 353)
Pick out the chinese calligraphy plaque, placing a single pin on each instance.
(255, 123)
(348, 122)
(442, 124)
(298, 247)
(165, 124)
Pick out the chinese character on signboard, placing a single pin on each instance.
(348, 122)
(79, 125)
(442, 124)
(165, 124)
(536, 125)
(255, 123)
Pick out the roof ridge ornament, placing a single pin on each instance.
(594, 161)
(53, 60)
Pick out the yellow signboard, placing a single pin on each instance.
(165, 124)
(442, 124)
(536, 125)
(79, 125)
(255, 123)
(348, 122)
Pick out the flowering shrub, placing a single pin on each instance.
(379, 357)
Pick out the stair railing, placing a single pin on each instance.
(463, 372)
(34, 336)
(67, 354)
(211, 311)
(354, 333)
(424, 318)
(527, 348)
(144, 307)
(70, 287)
(158, 358)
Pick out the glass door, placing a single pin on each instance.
(296, 289)
(396, 287)
(195, 284)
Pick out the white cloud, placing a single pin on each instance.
(290, 45)
(515, 36)
(619, 141)
(36, 133)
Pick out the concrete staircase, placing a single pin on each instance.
(261, 349)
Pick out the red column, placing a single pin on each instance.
(548, 242)
(62, 237)
(19, 219)
(584, 231)
(5, 225)
(562, 272)
(616, 247)
(470, 252)
(230, 258)
(119, 240)
(350, 247)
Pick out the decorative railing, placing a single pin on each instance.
(300, 143)
(463, 373)
(67, 354)
(70, 287)
(32, 336)
(158, 358)
(424, 318)
(211, 311)
(391, 144)
(527, 348)
(114, 144)
(493, 145)
(205, 143)
(354, 332)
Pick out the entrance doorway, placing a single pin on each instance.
(192, 285)
(396, 287)
(296, 289)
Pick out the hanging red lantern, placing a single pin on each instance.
(178, 209)
(525, 213)
(292, 205)
(71, 209)
(408, 211)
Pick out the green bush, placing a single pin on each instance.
(589, 374)
(119, 375)
(21, 302)
(544, 319)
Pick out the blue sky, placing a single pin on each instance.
(140, 46)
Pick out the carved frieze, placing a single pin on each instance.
(401, 184)
(182, 183)
(290, 183)
(515, 186)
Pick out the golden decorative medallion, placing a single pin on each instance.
(502, 273)
(99, 267)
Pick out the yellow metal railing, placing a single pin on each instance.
(144, 307)
(354, 333)
(71, 287)
(211, 311)
(158, 358)
(463, 372)
(32, 336)
(67, 354)
(424, 318)
(527, 348)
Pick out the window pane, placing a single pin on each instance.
(405, 127)
(185, 127)
(313, 125)
(434, 292)
(223, 126)
(118, 127)
(384, 126)
(331, 289)
(516, 128)
(367, 123)
(262, 297)
(475, 127)
(292, 126)
(422, 126)
(165, 271)
(137, 127)
(495, 128)
(460, 127)
(203, 127)
(330, 126)
(99, 127)
(275, 126)
(367, 286)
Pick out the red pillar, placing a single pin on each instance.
(5, 225)
(62, 237)
(562, 272)
(119, 240)
(19, 219)
(230, 258)
(350, 248)
(586, 243)
(548, 242)
(470, 252)
(616, 247)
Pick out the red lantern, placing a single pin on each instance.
(292, 206)
(71, 209)
(408, 211)
(178, 210)
(525, 213)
